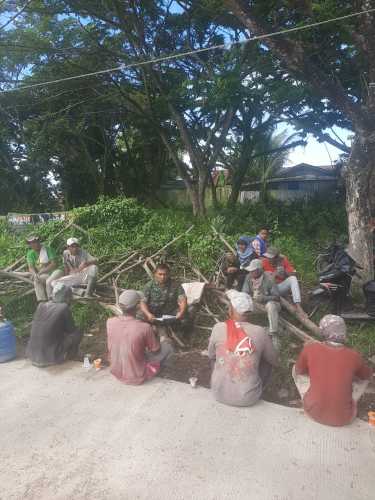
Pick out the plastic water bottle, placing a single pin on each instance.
(86, 362)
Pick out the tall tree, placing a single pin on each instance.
(337, 62)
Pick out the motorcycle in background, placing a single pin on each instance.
(336, 269)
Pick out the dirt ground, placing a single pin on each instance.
(193, 362)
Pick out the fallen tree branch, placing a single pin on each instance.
(304, 320)
(153, 265)
(171, 243)
(148, 271)
(201, 327)
(15, 264)
(73, 224)
(117, 268)
(199, 274)
(223, 240)
(216, 318)
(138, 263)
(111, 307)
(116, 292)
(288, 326)
(25, 294)
(60, 232)
(297, 331)
(175, 337)
(18, 276)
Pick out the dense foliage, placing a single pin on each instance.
(115, 226)
(127, 131)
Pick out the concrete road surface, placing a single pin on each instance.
(70, 434)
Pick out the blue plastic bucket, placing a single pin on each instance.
(7, 341)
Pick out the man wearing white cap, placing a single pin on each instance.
(242, 353)
(263, 291)
(135, 354)
(79, 267)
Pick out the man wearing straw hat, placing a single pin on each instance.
(242, 355)
(331, 377)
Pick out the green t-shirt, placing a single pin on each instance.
(32, 257)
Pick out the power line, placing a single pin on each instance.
(26, 48)
(224, 46)
(18, 13)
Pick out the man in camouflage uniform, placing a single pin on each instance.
(162, 296)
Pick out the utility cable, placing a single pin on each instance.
(224, 46)
(18, 13)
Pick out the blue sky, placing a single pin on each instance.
(318, 153)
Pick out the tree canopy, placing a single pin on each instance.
(129, 130)
(143, 113)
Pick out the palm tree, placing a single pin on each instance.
(270, 154)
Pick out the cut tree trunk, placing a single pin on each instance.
(358, 203)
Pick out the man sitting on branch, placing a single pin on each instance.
(234, 269)
(265, 292)
(79, 267)
(259, 243)
(163, 297)
(279, 268)
(41, 260)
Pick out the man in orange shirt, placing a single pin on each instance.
(331, 377)
(283, 273)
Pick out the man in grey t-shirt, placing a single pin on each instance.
(242, 353)
(79, 267)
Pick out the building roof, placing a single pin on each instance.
(307, 171)
(303, 172)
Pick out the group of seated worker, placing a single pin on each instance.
(265, 274)
(270, 278)
(329, 376)
(247, 249)
(79, 268)
(133, 338)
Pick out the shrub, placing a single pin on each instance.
(115, 213)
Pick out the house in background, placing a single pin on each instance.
(301, 181)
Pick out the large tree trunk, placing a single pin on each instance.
(202, 185)
(237, 181)
(372, 193)
(358, 201)
(197, 200)
(215, 203)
